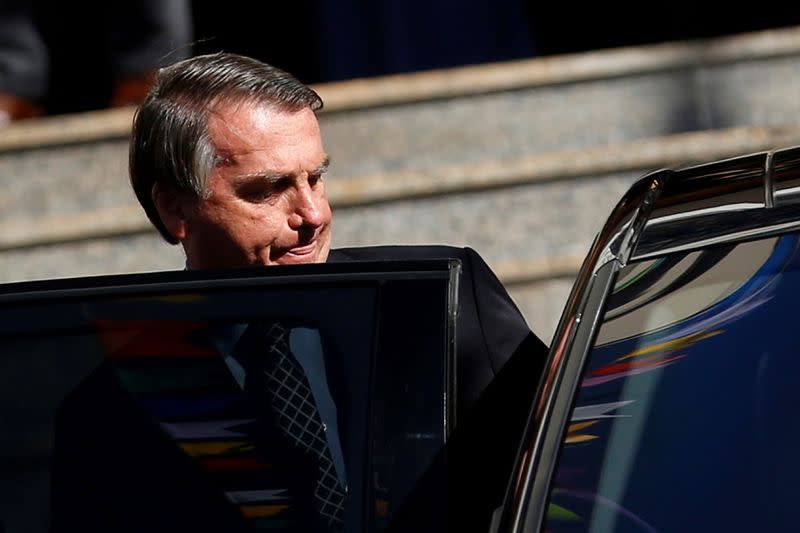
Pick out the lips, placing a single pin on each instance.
(299, 251)
(306, 253)
(307, 247)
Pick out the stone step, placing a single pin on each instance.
(39, 211)
(522, 160)
(511, 110)
(532, 219)
(425, 131)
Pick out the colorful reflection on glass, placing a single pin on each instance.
(685, 418)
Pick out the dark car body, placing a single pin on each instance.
(667, 401)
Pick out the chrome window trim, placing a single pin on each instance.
(611, 249)
(538, 474)
(783, 190)
(722, 223)
(769, 184)
(625, 225)
(768, 226)
(450, 364)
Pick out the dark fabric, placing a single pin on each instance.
(24, 58)
(359, 38)
(67, 55)
(155, 33)
(478, 460)
(489, 328)
(115, 470)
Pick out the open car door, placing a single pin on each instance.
(125, 402)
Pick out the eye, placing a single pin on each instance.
(254, 192)
(259, 195)
(263, 190)
(314, 179)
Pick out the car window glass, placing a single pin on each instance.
(87, 381)
(684, 416)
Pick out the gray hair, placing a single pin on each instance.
(170, 144)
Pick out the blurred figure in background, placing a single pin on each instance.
(129, 42)
(345, 39)
(367, 38)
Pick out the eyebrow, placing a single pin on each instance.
(323, 168)
(274, 176)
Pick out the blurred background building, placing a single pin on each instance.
(505, 126)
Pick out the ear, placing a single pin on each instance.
(173, 209)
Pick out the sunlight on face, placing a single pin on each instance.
(266, 201)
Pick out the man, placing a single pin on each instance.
(227, 159)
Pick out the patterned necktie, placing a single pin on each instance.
(295, 410)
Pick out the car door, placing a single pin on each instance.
(669, 399)
(125, 396)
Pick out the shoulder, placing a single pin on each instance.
(477, 274)
(473, 265)
(397, 252)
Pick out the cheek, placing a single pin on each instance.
(328, 212)
(262, 229)
(228, 229)
(325, 208)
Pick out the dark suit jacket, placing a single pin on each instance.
(489, 327)
(499, 363)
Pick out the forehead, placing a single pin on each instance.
(248, 127)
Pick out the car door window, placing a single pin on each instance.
(77, 359)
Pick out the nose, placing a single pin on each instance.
(309, 209)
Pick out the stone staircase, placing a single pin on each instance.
(522, 160)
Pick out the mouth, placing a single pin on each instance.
(306, 253)
(302, 251)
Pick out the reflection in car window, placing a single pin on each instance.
(685, 417)
(132, 412)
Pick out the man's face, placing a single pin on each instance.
(266, 203)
